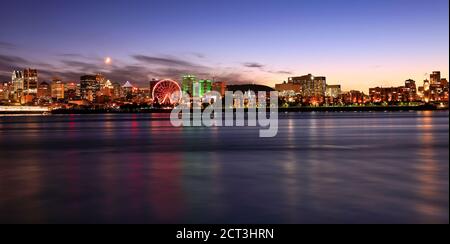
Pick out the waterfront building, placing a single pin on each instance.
(152, 85)
(117, 93)
(435, 78)
(204, 86)
(410, 92)
(128, 89)
(101, 80)
(44, 90)
(72, 91)
(333, 91)
(57, 89)
(17, 81)
(188, 82)
(89, 86)
(354, 97)
(311, 86)
(288, 88)
(30, 81)
(6, 89)
(220, 87)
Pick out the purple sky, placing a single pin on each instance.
(356, 43)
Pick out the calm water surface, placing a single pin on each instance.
(322, 168)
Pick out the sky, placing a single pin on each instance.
(355, 43)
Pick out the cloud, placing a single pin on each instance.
(163, 61)
(71, 66)
(199, 55)
(13, 60)
(71, 55)
(253, 65)
(8, 64)
(7, 45)
(281, 72)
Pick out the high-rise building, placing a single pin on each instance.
(101, 80)
(89, 87)
(220, 87)
(17, 81)
(30, 83)
(333, 91)
(410, 90)
(117, 93)
(435, 78)
(57, 89)
(44, 90)
(6, 89)
(152, 85)
(204, 86)
(311, 86)
(188, 84)
(288, 88)
(128, 89)
(71, 91)
(107, 89)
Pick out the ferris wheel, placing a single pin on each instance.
(167, 92)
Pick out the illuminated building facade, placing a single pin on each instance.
(434, 90)
(6, 89)
(152, 85)
(57, 89)
(117, 90)
(187, 85)
(72, 91)
(89, 87)
(30, 83)
(354, 97)
(44, 91)
(288, 88)
(17, 81)
(128, 89)
(220, 87)
(435, 78)
(311, 86)
(204, 86)
(333, 91)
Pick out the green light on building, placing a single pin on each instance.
(205, 86)
(188, 84)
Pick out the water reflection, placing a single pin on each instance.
(323, 168)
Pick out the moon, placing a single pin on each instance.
(108, 60)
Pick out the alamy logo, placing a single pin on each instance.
(238, 110)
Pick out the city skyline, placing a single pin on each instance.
(392, 41)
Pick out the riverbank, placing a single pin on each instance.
(282, 110)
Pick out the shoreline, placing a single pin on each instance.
(281, 110)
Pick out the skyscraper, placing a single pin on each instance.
(30, 83)
(44, 90)
(57, 89)
(333, 91)
(152, 85)
(17, 80)
(5, 90)
(101, 80)
(435, 78)
(311, 86)
(220, 87)
(204, 87)
(188, 84)
(411, 90)
(71, 91)
(89, 87)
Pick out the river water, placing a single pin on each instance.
(137, 168)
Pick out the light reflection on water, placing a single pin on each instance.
(322, 168)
